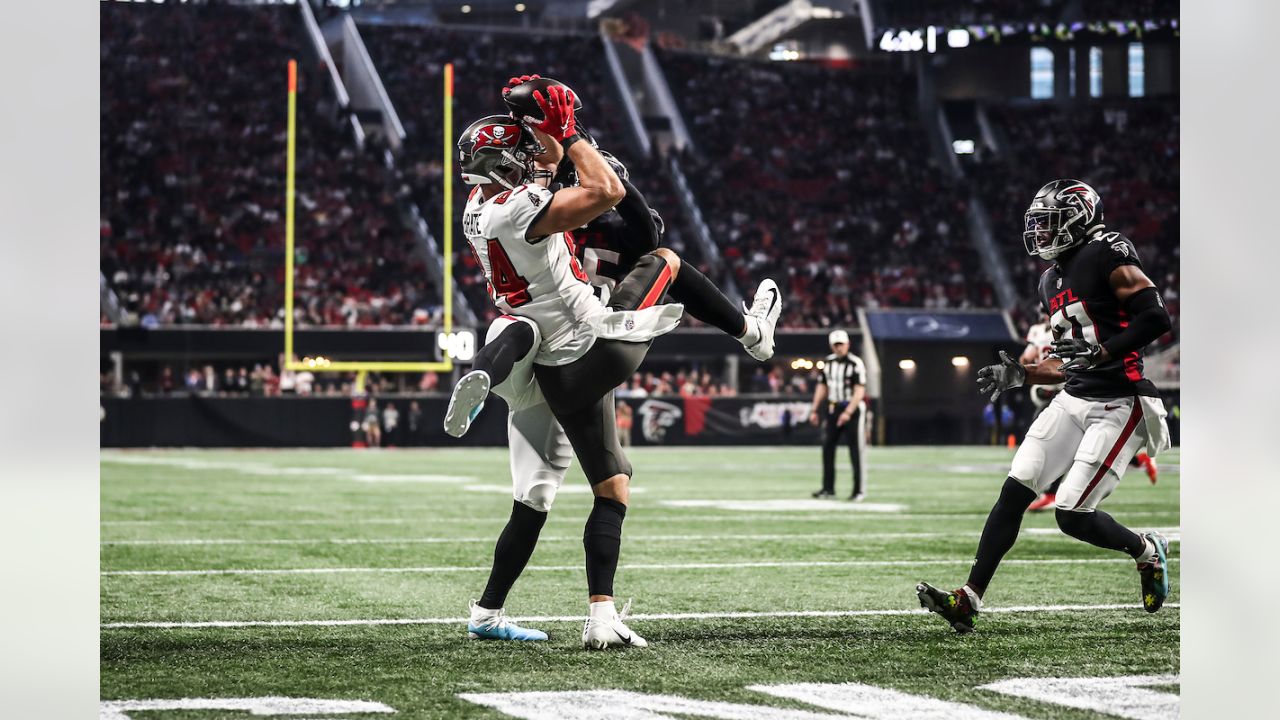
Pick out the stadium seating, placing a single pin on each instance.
(1127, 149)
(825, 173)
(192, 179)
(410, 60)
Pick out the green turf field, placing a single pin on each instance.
(273, 550)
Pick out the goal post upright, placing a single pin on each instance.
(362, 367)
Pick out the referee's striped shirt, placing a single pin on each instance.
(840, 375)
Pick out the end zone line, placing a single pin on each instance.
(578, 618)
(578, 568)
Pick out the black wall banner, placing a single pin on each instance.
(194, 421)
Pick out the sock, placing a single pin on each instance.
(602, 540)
(1099, 528)
(703, 300)
(498, 357)
(1000, 532)
(510, 555)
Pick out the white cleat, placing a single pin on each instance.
(765, 309)
(605, 628)
(466, 402)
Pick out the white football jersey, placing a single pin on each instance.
(537, 278)
(1040, 337)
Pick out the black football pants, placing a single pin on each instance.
(833, 435)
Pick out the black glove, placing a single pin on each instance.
(1078, 354)
(995, 379)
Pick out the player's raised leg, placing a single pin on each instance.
(754, 328)
(509, 341)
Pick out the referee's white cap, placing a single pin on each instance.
(838, 336)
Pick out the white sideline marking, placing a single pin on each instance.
(1172, 534)
(414, 478)
(1032, 533)
(788, 505)
(748, 517)
(576, 489)
(638, 616)
(119, 709)
(635, 566)
(544, 538)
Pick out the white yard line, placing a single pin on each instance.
(576, 568)
(1172, 533)
(637, 617)
(639, 515)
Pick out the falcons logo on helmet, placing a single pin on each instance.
(1082, 196)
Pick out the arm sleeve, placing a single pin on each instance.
(822, 377)
(1148, 321)
(641, 234)
(861, 369)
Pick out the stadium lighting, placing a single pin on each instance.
(960, 361)
(958, 38)
(907, 364)
(519, 7)
(466, 9)
(962, 147)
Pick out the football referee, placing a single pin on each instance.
(837, 408)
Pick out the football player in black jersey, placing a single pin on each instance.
(1103, 311)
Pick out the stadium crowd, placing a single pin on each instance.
(824, 172)
(1129, 152)
(411, 59)
(192, 179)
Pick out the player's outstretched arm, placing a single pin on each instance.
(599, 187)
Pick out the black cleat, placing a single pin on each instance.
(1155, 574)
(824, 494)
(954, 607)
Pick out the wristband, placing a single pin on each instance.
(569, 141)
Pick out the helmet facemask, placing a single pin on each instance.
(1047, 231)
(1062, 216)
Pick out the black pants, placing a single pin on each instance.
(832, 435)
(580, 393)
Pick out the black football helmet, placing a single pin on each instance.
(1061, 216)
(497, 149)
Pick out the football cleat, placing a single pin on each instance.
(823, 494)
(765, 309)
(605, 628)
(1155, 574)
(466, 402)
(1148, 463)
(954, 607)
(857, 497)
(1044, 502)
(488, 624)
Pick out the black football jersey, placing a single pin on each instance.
(1077, 296)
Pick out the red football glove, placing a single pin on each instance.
(518, 81)
(557, 109)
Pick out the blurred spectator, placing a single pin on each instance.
(824, 172)
(391, 425)
(192, 178)
(624, 421)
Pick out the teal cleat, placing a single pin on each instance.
(1155, 574)
(488, 624)
(466, 402)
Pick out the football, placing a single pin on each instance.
(520, 99)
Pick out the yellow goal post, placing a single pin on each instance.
(322, 364)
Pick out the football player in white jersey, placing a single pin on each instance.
(580, 362)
